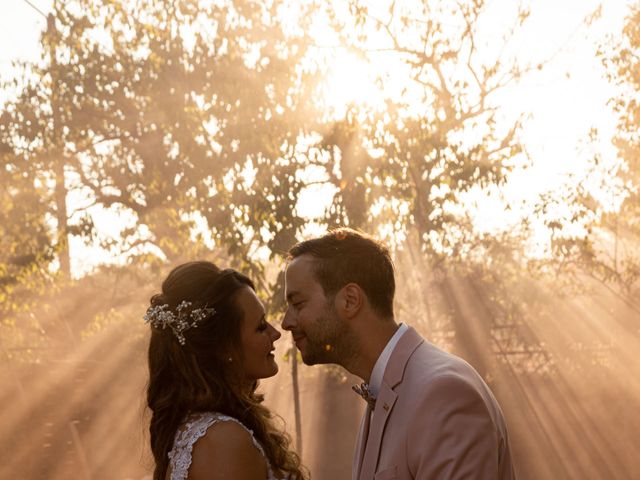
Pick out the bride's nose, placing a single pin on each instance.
(275, 333)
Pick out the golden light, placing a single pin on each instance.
(352, 81)
(571, 418)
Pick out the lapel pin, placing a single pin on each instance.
(385, 406)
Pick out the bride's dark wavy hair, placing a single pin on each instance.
(197, 376)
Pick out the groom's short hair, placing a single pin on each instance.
(344, 256)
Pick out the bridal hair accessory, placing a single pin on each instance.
(364, 391)
(161, 317)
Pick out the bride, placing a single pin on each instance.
(210, 343)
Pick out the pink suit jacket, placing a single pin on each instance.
(434, 419)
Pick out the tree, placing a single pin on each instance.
(171, 115)
(596, 235)
(412, 163)
(623, 63)
(438, 135)
(27, 251)
(29, 131)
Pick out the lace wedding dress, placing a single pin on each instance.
(194, 428)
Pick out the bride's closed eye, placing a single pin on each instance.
(262, 326)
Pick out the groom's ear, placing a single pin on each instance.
(349, 300)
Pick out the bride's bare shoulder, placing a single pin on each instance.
(227, 451)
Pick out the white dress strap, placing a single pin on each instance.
(195, 427)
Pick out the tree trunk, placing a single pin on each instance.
(296, 397)
(57, 159)
(62, 217)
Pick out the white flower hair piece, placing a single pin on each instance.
(161, 317)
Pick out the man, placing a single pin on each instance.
(429, 414)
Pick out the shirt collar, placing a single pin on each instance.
(375, 382)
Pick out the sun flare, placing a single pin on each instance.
(352, 81)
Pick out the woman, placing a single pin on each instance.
(210, 343)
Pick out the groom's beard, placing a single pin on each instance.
(326, 341)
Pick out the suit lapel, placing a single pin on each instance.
(384, 405)
(400, 356)
(394, 371)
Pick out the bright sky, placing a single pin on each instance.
(566, 99)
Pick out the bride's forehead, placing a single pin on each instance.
(248, 297)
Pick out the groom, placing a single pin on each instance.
(429, 414)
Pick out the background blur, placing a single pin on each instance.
(493, 145)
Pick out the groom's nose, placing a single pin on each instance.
(288, 321)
